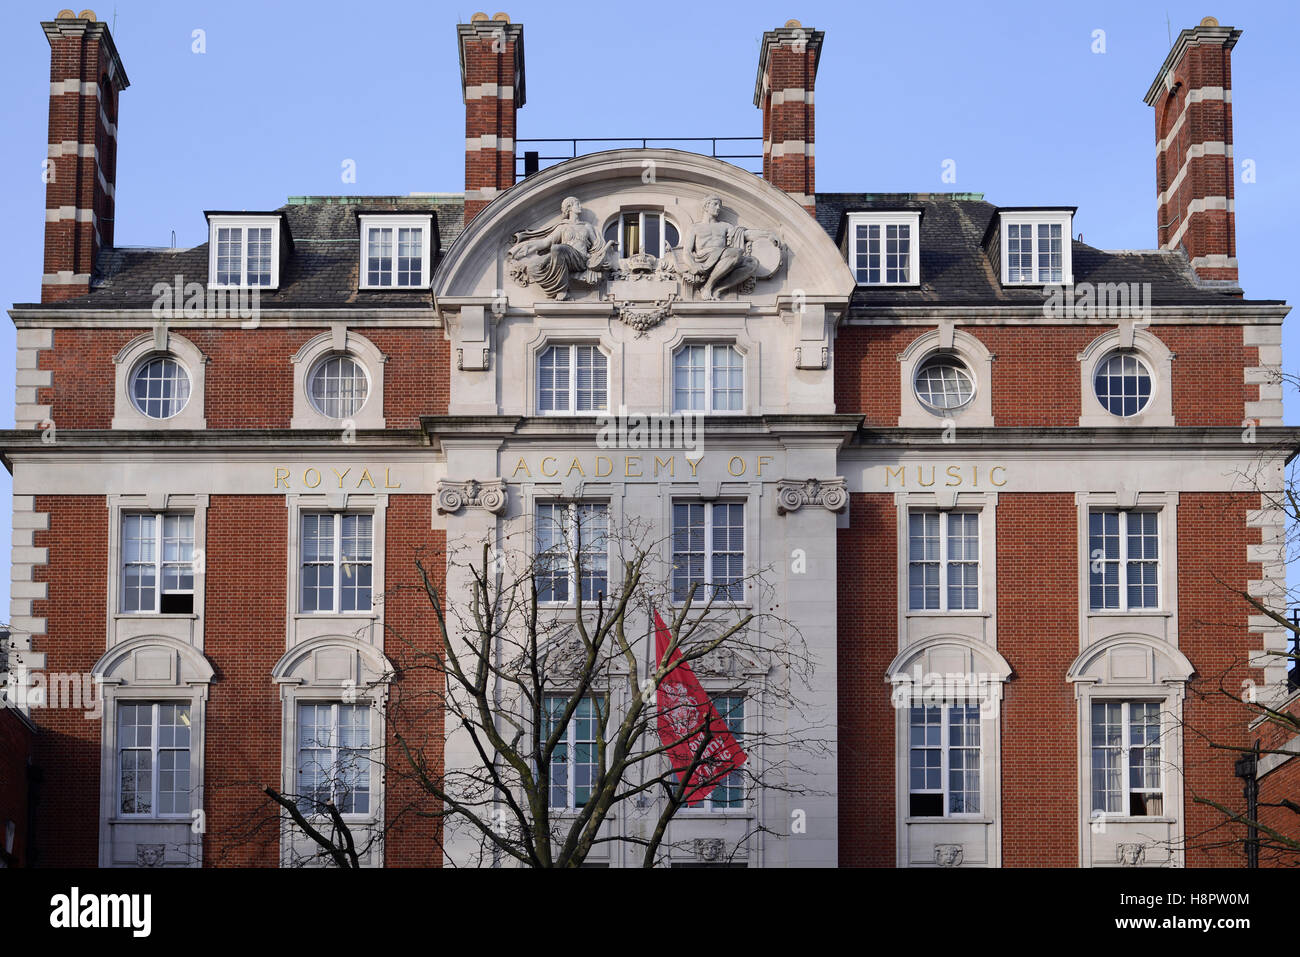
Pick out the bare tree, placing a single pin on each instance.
(560, 638)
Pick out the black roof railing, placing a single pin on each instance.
(551, 149)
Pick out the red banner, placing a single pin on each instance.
(685, 712)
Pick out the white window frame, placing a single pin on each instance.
(571, 509)
(709, 804)
(911, 219)
(395, 222)
(243, 224)
(573, 378)
(155, 769)
(157, 344)
(702, 593)
(373, 791)
(945, 746)
(944, 514)
(569, 742)
(1128, 790)
(1035, 218)
(1123, 608)
(159, 518)
(337, 588)
(708, 347)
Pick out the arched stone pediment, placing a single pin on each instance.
(1131, 660)
(332, 661)
(478, 266)
(153, 660)
(948, 667)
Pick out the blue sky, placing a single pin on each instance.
(1012, 92)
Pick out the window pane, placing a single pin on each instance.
(1049, 252)
(1123, 384)
(410, 258)
(688, 549)
(259, 257)
(1107, 744)
(160, 387)
(943, 383)
(729, 551)
(229, 256)
(964, 759)
(592, 379)
(553, 380)
(317, 549)
(338, 386)
(553, 550)
(593, 533)
(728, 380)
(688, 379)
(379, 260)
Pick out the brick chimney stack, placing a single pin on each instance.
(787, 74)
(86, 77)
(492, 81)
(1192, 97)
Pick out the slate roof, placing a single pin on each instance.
(322, 270)
(955, 265)
(956, 268)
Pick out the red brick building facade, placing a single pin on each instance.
(1039, 446)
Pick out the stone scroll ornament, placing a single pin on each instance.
(453, 496)
(718, 257)
(832, 494)
(556, 256)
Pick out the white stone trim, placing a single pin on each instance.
(791, 96)
(1208, 93)
(29, 343)
(20, 658)
(979, 834)
(791, 148)
(567, 332)
(1195, 151)
(187, 683)
(160, 342)
(1199, 205)
(339, 340)
(487, 90)
(717, 331)
(1159, 360)
(1157, 624)
(336, 669)
(979, 625)
(1132, 668)
(121, 626)
(366, 627)
(1270, 590)
(976, 413)
(489, 141)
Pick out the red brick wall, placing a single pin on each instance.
(1038, 634)
(867, 596)
(67, 746)
(1212, 540)
(414, 703)
(1036, 372)
(244, 638)
(15, 751)
(866, 371)
(1276, 786)
(249, 375)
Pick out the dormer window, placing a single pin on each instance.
(243, 251)
(884, 248)
(395, 252)
(636, 231)
(1036, 247)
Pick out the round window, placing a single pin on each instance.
(160, 387)
(1123, 384)
(338, 386)
(943, 383)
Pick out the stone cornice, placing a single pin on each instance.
(1278, 440)
(1268, 312)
